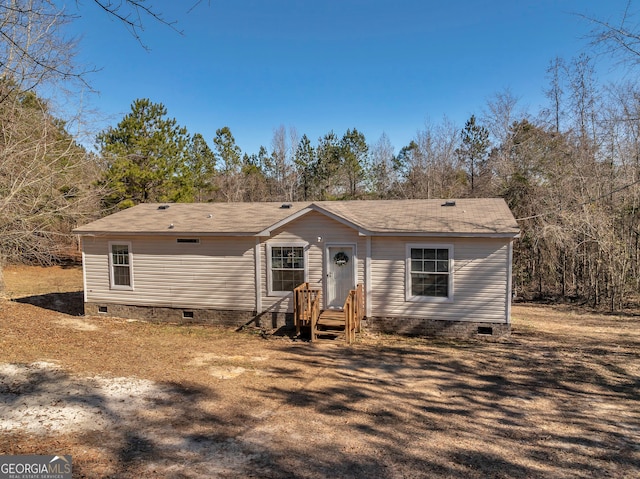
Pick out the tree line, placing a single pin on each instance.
(570, 173)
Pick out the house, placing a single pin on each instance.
(427, 267)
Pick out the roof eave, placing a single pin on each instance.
(450, 234)
(267, 232)
(163, 233)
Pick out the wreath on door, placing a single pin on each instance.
(341, 258)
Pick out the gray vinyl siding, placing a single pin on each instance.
(217, 273)
(480, 280)
(307, 229)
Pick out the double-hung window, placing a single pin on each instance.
(121, 272)
(286, 268)
(429, 272)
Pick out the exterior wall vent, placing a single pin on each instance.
(449, 203)
(188, 240)
(485, 330)
(187, 315)
(102, 309)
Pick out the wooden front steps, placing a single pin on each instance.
(331, 323)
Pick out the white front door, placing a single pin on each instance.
(340, 275)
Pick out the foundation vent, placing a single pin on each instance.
(485, 330)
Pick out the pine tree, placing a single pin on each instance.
(353, 153)
(327, 165)
(474, 149)
(144, 154)
(199, 168)
(229, 160)
(304, 160)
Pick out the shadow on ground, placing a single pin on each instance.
(534, 409)
(71, 303)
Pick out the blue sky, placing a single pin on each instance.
(379, 66)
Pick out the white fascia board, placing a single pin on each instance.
(452, 234)
(163, 233)
(267, 232)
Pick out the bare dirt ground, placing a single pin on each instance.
(560, 398)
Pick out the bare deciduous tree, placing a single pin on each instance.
(555, 92)
(132, 14)
(44, 182)
(619, 39)
(282, 172)
(501, 112)
(45, 176)
(33, 49)
(383, 175)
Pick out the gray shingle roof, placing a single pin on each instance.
(478, 216)
(482, 216)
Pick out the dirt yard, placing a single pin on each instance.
(127, 399)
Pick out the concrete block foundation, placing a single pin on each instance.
(438, 328)
(275, 320)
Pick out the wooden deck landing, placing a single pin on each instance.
(332, 317)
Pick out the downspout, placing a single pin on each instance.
(509, 280)
(84, 269)
(257, 260)
(367, 279)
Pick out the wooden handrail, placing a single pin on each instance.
(315, 314)
(306, 307)
(348, 317)
(306, 310)
(353, 313)
(359, 306)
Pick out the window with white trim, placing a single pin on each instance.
(286, 267)
(429, 273)
(120, 266)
